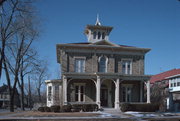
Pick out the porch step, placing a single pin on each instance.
(110, 110)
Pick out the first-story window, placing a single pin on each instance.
(178, 83)
(49, 93)
(79, 65)
(127, 93)
(80, 93)
(56, 92)
(127, 67)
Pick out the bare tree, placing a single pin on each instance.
(2, 1)
(27, 64)
(159, 93)
(39, 76)
(17, 34)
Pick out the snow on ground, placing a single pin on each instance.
(149, 115)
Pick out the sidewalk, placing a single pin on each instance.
(107, 115)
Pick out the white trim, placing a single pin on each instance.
(172, 76)
(79, 57)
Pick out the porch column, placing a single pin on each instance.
(53, 94)
(98, 86)
(148, 91)
(141, 91)
(64, 90)
(117, 94)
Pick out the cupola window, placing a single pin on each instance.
(99, 35)
(94, 35)
(103, 35)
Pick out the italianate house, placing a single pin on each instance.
(99, 72)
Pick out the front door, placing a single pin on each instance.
(104, 97)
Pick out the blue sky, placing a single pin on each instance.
(151, 24)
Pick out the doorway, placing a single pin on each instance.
(104, 97)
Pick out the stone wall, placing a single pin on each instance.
(114, 64)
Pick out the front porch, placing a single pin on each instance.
(107, 90)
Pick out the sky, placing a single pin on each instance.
(153, 24)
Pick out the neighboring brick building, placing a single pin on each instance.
(170, 81)
(99, 71)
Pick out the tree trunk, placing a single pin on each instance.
(11, 103)
(29, 94)
(39, 95)
(22, 91)
(2, 56)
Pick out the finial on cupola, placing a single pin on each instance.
(97, 21)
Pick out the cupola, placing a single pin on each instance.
(97, 32)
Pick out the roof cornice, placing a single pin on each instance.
(145, 50)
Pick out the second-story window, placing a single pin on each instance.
(56, 92)
(103, 64)
(79, 65)
(127, 67)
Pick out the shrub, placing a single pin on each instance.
(55, 108)
(143, 107)
(87, 107)
(125, 107)
(84, 107)
(66, 108)
(77, 107)
(47, 109)
(41, 109)
(95, 107)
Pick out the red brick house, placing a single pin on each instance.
(170, 81)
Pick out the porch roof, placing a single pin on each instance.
(74, 75)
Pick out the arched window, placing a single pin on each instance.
(99, 35)
(103, 35)
(103, 64)
(94, 35)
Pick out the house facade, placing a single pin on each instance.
(99, 71)
(170, 81)
(5, 97)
